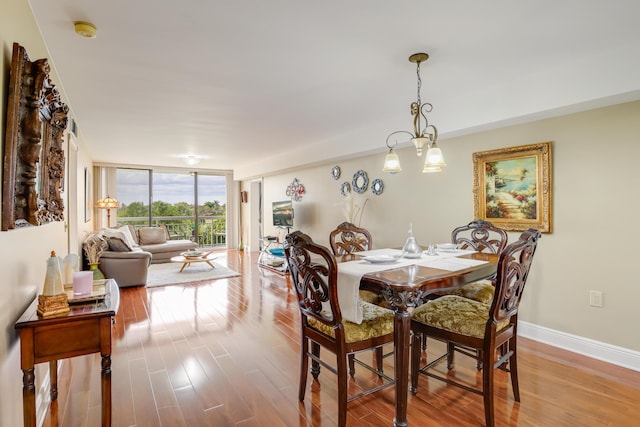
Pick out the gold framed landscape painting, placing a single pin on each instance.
(512, 187)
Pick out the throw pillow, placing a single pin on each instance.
(151, 235)
(117, 241)
(128, 238)
(116, 244)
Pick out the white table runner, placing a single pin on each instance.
(350, 273)
(451, 263)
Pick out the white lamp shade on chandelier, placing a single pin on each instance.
(434, 161)
(392, 162)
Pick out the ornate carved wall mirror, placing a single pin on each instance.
(33, 174)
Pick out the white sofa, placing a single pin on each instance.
(129, 250)
(156, 241)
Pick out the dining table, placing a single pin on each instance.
(405, 283)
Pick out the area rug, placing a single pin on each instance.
(169, 273)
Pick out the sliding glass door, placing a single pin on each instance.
(212, 210)
(133, 191)
(174, 203)
(190, 205)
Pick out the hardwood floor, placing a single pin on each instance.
(226, 353)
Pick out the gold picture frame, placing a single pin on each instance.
(512, 187)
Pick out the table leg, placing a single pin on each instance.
(212, 266)
(183, 266)
(29, 397)
(106, 390)
(401, 338)
(53, 379)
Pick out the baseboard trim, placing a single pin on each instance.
(609, 353)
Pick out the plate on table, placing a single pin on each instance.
(447, 247)
(380, 259)
(193, 254)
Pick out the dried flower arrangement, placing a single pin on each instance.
(352, 210)
(93, 248)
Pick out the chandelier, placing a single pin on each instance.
(424, 134)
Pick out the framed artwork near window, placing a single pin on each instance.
(512, 187)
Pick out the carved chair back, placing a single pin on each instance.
(348, 238)
(512, 272)
(314, 273)
(481, 236)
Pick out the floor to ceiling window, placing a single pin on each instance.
(190, 205)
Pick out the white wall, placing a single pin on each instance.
(595, 203)
(23, 252)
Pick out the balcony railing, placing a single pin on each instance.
(212, 230)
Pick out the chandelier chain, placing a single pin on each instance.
(419, 84)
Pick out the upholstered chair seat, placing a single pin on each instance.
(456, 314)
(481, 291)
(369, 296)
(376, 322)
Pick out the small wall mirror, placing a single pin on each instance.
(33, 174)
(377, 186)
(360, 182)
(345, 188)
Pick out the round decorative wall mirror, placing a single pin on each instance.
(377, 186)
(360, 182)
(335, 172)
(345, 188)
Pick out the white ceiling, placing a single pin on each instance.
(257, 86)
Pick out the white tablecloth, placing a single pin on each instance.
(350, 273)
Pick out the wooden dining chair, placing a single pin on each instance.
(488, 328)
(346, 239)
(480, 236)
(314, 274)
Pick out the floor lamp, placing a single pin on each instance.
(108, 203)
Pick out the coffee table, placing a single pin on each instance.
(187, 261)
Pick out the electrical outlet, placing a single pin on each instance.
(595, 298)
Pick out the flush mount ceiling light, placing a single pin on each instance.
(191, 160)
(421, 136)
(85, 29)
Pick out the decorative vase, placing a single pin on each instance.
(411, 249)
(97, 274)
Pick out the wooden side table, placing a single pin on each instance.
(85, 329)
